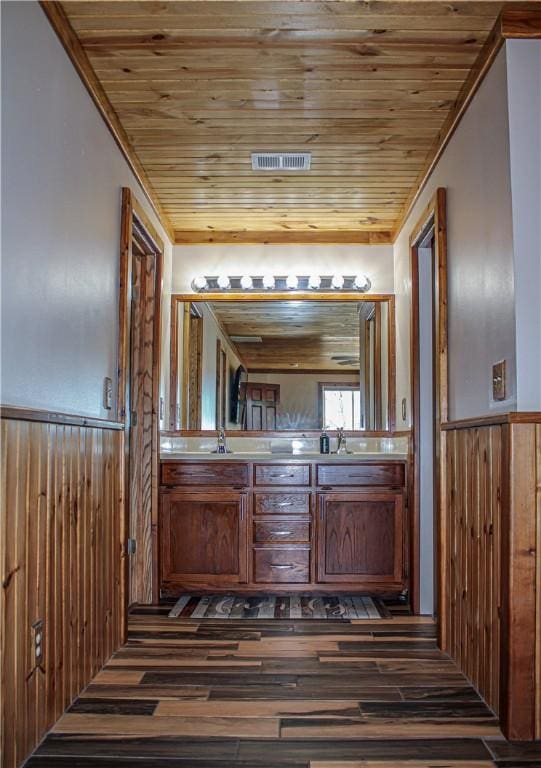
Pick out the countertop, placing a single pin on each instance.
(292, 457)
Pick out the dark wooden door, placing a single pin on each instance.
(203, 538)
(143, 423)
(360, 537)
(261, 406)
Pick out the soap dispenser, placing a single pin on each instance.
(324, 443)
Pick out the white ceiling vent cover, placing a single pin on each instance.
(281, 161)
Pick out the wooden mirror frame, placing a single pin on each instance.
(180, 298)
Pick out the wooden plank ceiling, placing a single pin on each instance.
(295, 335)
(368, 87)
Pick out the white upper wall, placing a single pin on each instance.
(62, 175)
(376, 261)
(481, 299)
(524, 95)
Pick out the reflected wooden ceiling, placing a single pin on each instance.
(369, 87)
(295, 335)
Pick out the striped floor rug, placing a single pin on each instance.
(276, 607)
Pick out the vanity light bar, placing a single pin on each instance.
(281, 283)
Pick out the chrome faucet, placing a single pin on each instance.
(341, 445)
(221, 446)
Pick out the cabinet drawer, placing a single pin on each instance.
(389, 474)
(282, 565)
(282, 474)
(205, 473)
(281, 503)
(281, 530)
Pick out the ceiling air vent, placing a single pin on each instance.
(246, 339)
(281, 161)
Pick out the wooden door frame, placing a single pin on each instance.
(433, 215)
(133, 215)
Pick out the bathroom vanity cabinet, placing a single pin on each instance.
(288, 525)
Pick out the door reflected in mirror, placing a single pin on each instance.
(283, 365)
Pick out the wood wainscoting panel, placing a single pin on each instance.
(492, 564)
(473, 477)
(61, 562)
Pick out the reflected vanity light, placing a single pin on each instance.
(223, 282)
(282, 283)
(292, 282)
(246, 282)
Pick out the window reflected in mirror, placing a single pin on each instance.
(283, 365)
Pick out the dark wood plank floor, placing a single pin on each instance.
(279, 694)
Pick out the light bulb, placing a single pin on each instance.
(199, 283)
(292, 281)
(268, 282)
(246, 282)
(223, 282)
(361, 282)
(337, 281)
(314, 282)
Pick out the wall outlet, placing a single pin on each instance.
(498, 381)
(37, 640)
(107, 393)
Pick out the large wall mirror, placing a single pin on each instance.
(282, 365)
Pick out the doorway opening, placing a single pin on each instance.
(141, 259)
(428, 252)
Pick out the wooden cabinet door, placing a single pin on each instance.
(203, 538)
(360, 537)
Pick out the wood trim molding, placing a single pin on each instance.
(281, 296)
(512, 417)
(124, 298)
(19, 413)
(299, 237)
(521, 23)
(470, 87)
(173, 363)
(65, 33)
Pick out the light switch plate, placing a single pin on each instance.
(498, 381)
(107, 393)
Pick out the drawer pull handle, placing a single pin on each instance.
(274, 474)
(282, 533)
(279, 565)
(284, 504)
